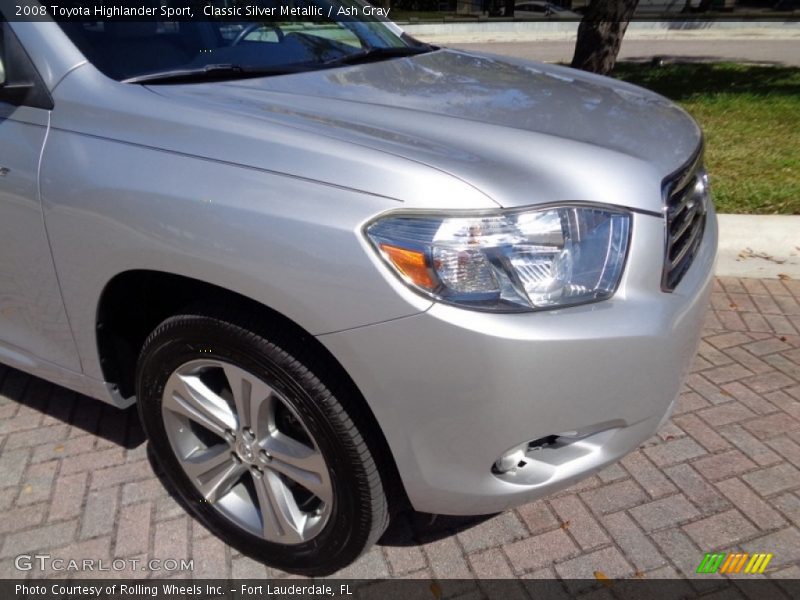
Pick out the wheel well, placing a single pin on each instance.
(135, 302)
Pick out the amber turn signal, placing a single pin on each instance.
(411, 264)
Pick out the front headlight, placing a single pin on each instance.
(510, 261)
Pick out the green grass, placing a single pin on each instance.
(751, 118)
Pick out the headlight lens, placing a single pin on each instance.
(514, 261)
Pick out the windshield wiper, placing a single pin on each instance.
(373, 54)
(213, 72)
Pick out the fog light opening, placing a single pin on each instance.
(516, 458)
(543, 442)
(555, 456)
(511, 460)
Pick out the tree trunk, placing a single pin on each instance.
(600, 34)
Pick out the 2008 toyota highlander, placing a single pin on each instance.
(337, 268)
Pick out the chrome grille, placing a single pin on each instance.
(686, 207)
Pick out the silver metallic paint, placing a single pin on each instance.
(456, 392)
(263, 187)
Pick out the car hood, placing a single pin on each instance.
(520, 132)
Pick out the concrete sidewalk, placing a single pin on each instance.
(765, 51)
(759, 246)
(777, 43)
(526, 31)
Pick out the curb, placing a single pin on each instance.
(761, 246)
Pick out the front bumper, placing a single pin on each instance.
(454, 389)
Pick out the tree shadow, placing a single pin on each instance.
(684, 79)
(407, 528)
(120, 427)
(686, 24)
(412, 528)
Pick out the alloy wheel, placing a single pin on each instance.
(246, 450)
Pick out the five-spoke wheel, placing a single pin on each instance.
(249, 431)
(246, 451)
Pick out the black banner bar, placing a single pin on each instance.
(397, 589)
(308, 10)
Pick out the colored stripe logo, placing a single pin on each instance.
(720, 562)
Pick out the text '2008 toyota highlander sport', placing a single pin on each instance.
(338, 269)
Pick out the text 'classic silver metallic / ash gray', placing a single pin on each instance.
(340, 271)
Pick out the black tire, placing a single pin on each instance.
(359, 513)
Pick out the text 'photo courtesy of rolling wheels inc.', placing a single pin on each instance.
(415, 299)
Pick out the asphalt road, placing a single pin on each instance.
(785, 52)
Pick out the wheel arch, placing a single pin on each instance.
(134, 302)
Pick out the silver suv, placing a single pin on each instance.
(340, 271)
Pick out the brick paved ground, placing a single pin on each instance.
(724, 474)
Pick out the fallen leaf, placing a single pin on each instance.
(436, 590)
(748, 253)
(603, 578)
(783, 277)
(565, 525)
(639, 575)
(725, 393)
(734, 306)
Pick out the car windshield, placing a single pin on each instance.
(296, 35)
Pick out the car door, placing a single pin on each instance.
(33, 322)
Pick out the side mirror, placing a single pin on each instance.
(16, 82)
(13, 92)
